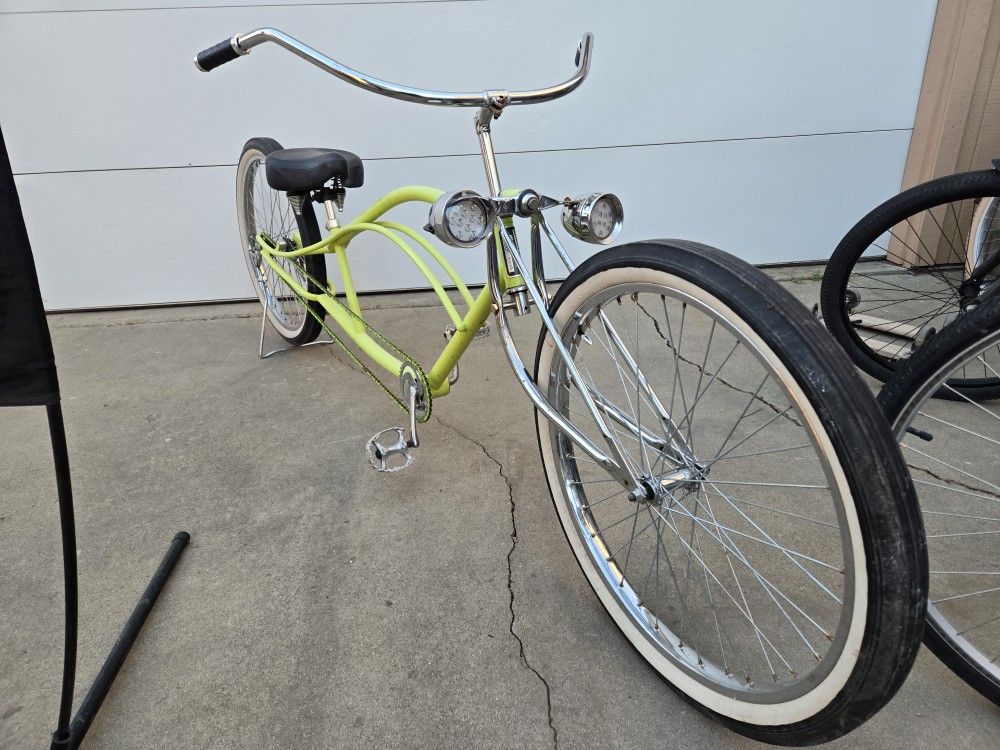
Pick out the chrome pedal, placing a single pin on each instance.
(389, 450)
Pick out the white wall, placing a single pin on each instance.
(766, 128)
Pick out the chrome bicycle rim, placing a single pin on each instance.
(985, 242)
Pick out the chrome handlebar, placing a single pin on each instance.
(241, 44)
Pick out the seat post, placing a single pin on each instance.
(333, 201)
(331, 215)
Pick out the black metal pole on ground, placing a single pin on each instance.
(69, 734)
(57, 432)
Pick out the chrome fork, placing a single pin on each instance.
(615, 462)
(677, 444)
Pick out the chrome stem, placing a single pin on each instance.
(486, 147)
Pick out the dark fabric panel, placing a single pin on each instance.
(27, 366)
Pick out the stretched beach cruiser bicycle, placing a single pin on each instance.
(725, 480)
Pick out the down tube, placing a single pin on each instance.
(473, 321)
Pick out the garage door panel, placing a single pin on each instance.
(157, 236)
(117, 90)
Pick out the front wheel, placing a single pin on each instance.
(775, 573)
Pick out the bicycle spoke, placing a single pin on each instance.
(768, 587)
(785, 552)
(965, 596)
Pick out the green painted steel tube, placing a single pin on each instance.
(393, 198)
(474, 319)
(435, 254)
(480, 307)
(356, 227)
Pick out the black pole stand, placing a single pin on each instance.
(70, 733)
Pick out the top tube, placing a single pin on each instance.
(243, 43)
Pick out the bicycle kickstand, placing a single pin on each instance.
(260, 349)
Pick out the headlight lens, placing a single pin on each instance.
(466, 220)
(594, 218)
(461, 218)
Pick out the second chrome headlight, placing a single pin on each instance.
(594, 218)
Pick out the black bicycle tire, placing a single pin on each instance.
(896, 556)
(962, 186)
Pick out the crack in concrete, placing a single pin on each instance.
(716, 376)
(955, 482)
(510, 579)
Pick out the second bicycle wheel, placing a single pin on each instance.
(951, 447)
(905, 271)
(775, 573)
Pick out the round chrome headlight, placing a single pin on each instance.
(594, 218)
(461, 218)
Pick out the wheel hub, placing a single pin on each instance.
(666, 487)
(969, 292)
(685, 477)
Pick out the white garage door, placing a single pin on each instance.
(765, 128)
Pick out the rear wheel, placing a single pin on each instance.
(775, 573)
(263, 210)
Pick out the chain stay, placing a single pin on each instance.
(423, 414)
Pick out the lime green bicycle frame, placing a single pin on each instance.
(501, 280)
(510, 282)
(336, 243)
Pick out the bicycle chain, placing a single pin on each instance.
(408, 361)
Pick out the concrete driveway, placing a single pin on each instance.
(321, 604)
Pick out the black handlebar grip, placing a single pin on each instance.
(216, 55)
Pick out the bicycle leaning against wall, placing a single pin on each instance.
(723, 477)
